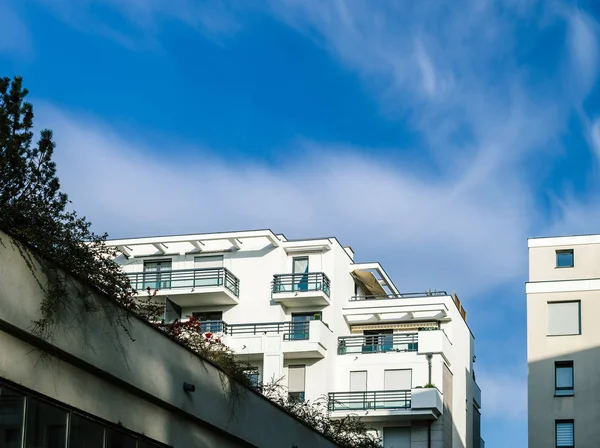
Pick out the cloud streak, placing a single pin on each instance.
(433, 227)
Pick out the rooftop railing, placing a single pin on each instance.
(369, 400)
(406, 295)
(310, 281)
(185, 278)
(378, 343)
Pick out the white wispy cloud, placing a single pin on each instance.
(429, 228)
(583, 42)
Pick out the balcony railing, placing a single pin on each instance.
(369, 400)
(310, 281)
(292, 331)
(185, 278)
(378, 343)
(406, 295)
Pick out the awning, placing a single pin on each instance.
(402, 327)
(369, 283)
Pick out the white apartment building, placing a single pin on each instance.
(563, 339)
(305, 312)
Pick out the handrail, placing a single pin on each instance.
(308, 281)
(292, 331)
(378, 343)
(367, 400)
(185, 278)
(406, 295)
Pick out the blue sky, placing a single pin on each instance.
(433, 136)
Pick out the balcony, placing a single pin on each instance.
(190, 287)
(297, 290)
(378, 343)
(294, 339)
(396, 405)
(436, 342)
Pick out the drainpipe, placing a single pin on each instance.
(429, 356)
(429, 435)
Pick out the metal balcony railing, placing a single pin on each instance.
(406, 295)
(378, 343)
(185, 278)
(292, 331)
(310, 281)
(369, 400)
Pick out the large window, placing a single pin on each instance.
(157, 274)
(300, 269)
(563, 373)
(565, 434)
(12, 405)
(48, 425)
(564, 318)
(565, 258)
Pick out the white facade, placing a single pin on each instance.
(307, 313)
(563, 298)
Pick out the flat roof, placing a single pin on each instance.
(566, 240)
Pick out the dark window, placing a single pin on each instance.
(117, 439)
(564, 259)
(378, 341)
(213, 320)
(253, 376)
(296, 396)
(11, 418)
(563, 378)
(46, 425)
(85, 433)
(565, 434)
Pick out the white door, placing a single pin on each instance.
(397, 385)
(358, 384)
(396, 437)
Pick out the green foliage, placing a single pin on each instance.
(429, 386)
(33, 208)
(347, 432)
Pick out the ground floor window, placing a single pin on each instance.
(47, 424)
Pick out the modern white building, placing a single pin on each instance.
(563, 341)
(305, 312)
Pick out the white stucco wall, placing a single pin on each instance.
(255, 264)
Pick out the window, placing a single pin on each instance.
(296, 378)
(157, 274)
(300, 325)
(378, 341)
(118, 439)
(46, 425)
(300, 269)
(564, 318)
(85, 433)
(565, 434)
(565, 259)
(253, 376)
(11, 418)
(212, 321)
(49, 425)
(563, 378)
